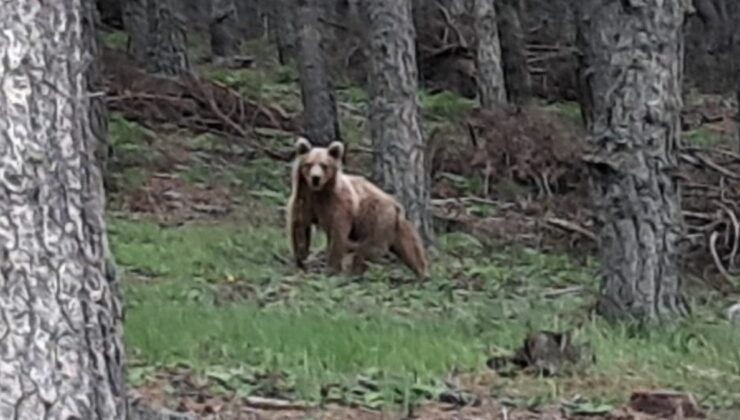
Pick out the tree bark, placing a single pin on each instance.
(98, 106)
(490, 72)
(283, 29)
(635, 57)
(514, 51)
(394, 123)
(136, 24)
(168, 53)
(60, 306)
(319, 105)
(223, 27)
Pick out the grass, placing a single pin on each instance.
(221, 298)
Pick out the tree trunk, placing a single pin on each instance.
(223, 27)
(283, 29)
(168, 53)
(111, 13)
(61, 324)
(250, 18)
(490, 72)
(319, 105)
(98, 106)
(136, 23)
(394, 123)
(514, 51)
(635, 54)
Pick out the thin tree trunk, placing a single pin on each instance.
(283, 29)
(514, 51)
(98, 106)
(397, 139)
(136, 23)
(168, 53)
(490, 72)
(319, 105)
(223, 27)
(111, 13)
(61, 323)
(250, 18)
(635, 53)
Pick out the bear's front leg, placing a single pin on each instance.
(338, 246)
(300, 233)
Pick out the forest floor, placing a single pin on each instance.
(221, 324)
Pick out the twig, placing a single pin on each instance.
(712, 164)
(567, 225)
(275, 404)
(449, 22)
(565, 291)
(717, 261)
(736, 229)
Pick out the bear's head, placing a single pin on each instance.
(319, 166)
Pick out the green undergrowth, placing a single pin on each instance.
(225, 295)
(703, 136)
(222, 297)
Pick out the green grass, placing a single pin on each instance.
(445, 106)
(702, 136)
(222, 298)
(115, 39)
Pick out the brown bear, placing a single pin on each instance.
(361, 221)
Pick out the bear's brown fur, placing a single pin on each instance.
(361, 221)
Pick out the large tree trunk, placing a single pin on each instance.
(319, 105)
(635, 56)
(514, 51)
(223, 27)
(61, 324)
(490, 72)
(136, 23)
(168, 52)
(394, 123)
(283, 29)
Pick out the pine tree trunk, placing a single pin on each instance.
(636, 56)
(283, 29)
(98, 106)
(136, 23)
(394, 122)
(319, 105)
(61, 324)
(111, 13)
(223, 27)
(490, 72)
(514, 51)
(250, 18)
(168, 53)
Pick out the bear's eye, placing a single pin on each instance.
(323, 166)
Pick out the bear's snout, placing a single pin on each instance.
(316, 180)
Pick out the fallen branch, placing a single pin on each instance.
(275, 404)
(567, 225)
(718, 262)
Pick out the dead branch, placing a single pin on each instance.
(573, 227)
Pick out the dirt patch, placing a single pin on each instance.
(172, 200)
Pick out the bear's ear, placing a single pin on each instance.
(336, 150)
(302, 146)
